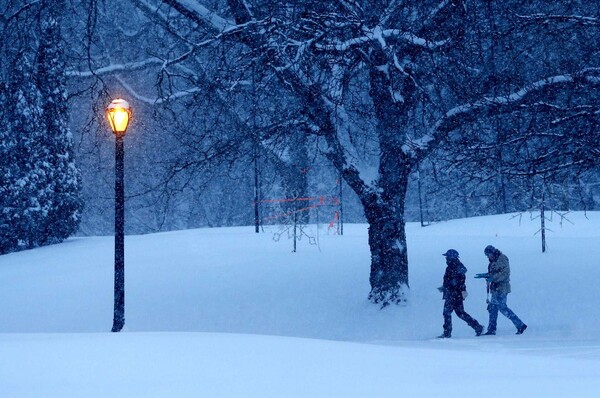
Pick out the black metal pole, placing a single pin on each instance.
(341, 215)
(256, 192)
(119, 309)
(295, 225)
(543, 220)
(420, 196)
(255, 155)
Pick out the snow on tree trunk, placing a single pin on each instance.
(392, 96)
(389, 259)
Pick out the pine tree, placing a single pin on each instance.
(65, 181)
(7, 239)
(40, 199)
(25, 203)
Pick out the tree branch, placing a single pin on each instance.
(546, 19)
(462, 114)
(116, 68)
(20, 11)
(201, 15)
(376, 34)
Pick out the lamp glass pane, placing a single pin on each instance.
(118, 119)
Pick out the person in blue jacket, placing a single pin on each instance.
(455, 292)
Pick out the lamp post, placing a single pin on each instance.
(119, 114)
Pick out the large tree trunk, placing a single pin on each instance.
(392, 96)
(389, 259)
(387, 235)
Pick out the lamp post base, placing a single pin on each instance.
(118, 326)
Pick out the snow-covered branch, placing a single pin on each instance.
(546, 19)
(501, 104)
(200, 14)
(376, 34)
(158, 100)
(116, 68)
(436, 10)
(544, 170)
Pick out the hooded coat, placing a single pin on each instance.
(454, 280)
(499, 270)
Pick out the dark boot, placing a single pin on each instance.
(444, 336)
(478, 330)
(521, 328)
(490, 333)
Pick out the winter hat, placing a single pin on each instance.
(489, 249)
(451, 254)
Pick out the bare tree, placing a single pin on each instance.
(355, 75)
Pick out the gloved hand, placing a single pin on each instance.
(441, 289)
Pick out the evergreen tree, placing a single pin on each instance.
(39, 183)
(7, 239)
(64, 178)
(25, 202)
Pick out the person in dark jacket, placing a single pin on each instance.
(455, 292)
(498, 280)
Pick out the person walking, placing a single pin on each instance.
(454, 293)
(498, 283)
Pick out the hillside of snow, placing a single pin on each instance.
(230, 313)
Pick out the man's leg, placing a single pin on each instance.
(448, 308)
(507, 312)
(493, 311)
(462, 314)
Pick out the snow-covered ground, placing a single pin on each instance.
(229, 313)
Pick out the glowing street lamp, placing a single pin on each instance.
(119, 114)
